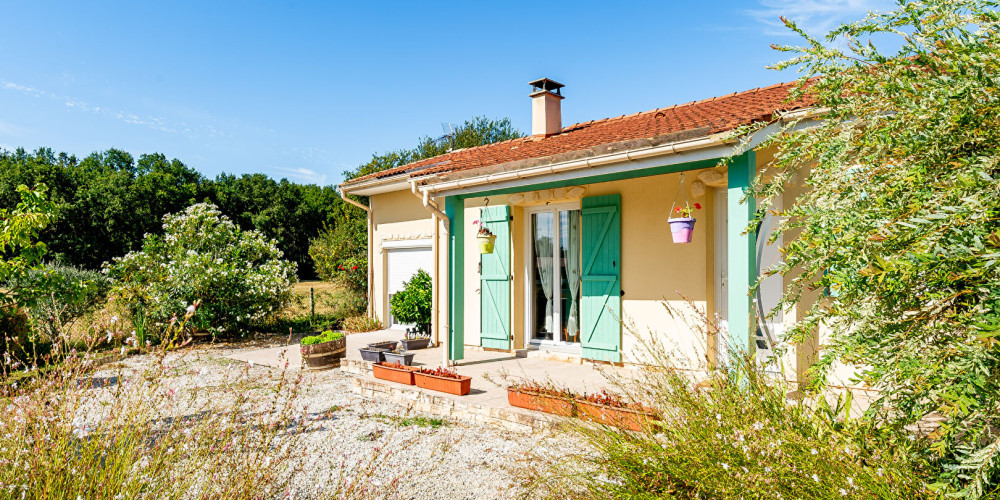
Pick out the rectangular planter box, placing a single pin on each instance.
(539, 402)
(624, 418)
(393, 374)
(373, 355)
(456, 386)
(387, 345)
(413, 344)
(403, 358)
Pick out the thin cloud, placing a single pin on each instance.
(152, 122)
(304, 174)
(816, 17)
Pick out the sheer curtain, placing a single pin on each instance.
(543, 261)
(573, 276)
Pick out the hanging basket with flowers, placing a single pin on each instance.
(681, 220)
(485, 236)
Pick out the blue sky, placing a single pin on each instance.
(306, 90)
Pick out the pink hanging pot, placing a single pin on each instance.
(682, 229)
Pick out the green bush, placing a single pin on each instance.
(239, 277)
(340, 255)
(413, 303)
(72, 293)
(327, 336)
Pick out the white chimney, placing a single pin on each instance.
(546, 112)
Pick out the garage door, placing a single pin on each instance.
(402, 264)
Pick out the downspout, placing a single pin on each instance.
(371, 252)
(436, 214)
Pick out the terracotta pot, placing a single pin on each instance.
(457, 386)
(540, 402)
(626, 418)
(681, 229)
(324, 356)
(393, 374)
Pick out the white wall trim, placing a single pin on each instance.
(414, 243)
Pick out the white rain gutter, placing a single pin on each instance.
(595, 161)
(371, 243)
(436, 214)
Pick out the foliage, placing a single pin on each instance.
(728, 433)
(413, 303)
(900, 218)
(21, 249)
(327, 336)
(72, 292)
(481, 229)
(238, 276)
(442, 372)
(361, 324)
(341, 255)
(108, 201)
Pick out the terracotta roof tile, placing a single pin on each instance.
(714, 115)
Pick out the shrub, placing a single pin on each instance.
(734, 435)
(340, 255)
(327, 336)
(361, 324)
(238, 276)
(412, 304)
(72, 293)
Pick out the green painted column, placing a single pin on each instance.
(742, 246)
(454, 208)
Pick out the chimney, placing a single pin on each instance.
(546, 112)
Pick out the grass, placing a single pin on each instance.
(409, 421)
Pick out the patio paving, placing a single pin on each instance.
(490, 371)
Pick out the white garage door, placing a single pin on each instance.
(402, 264)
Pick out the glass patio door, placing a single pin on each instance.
(554, 298)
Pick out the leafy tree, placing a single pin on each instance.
(900, 218)
(413, 304)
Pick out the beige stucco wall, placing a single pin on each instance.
(655, 271)
(397, 216)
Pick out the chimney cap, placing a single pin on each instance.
(545, 85)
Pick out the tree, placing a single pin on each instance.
(900, 219)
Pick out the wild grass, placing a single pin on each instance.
(731, 433)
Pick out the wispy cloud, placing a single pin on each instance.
(816, 17)
(153, 122)
(303, 174)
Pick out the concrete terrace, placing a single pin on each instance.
(490, 372)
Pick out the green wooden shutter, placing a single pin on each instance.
(494, 281)
(600, 307)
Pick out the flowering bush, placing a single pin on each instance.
(238, 276)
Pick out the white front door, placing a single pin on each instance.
(401, 265)
(552, 268)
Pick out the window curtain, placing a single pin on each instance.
(543, 261)
(573, 276)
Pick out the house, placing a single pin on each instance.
(582, 243)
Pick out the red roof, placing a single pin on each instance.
(682, 121)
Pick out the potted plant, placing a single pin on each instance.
(415, 339)
(413, 303)
(398, 355)
(485, 236)
(394, 372)
(323, 351)
(610, 409)
(543, 398)
(386, 344)
(682, 227)
(373, 354)
(443, 380)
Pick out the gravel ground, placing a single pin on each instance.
(433, 457)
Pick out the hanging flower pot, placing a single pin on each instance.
(682, 229)
(486, 243)
(682, 224)
(485, 236)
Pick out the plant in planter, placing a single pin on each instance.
(413, 303)
(443, 380)
(373, 354)
(415, 339)
(323, 351)
(610, 409)
(399, 355)
(485, 236)
(394, 372)
(682, 226)
(545, 398)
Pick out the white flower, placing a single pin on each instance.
(813, 451)
(850, 481)
(815, 478)
(190, 309)
(725, 466)
(843, 492)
